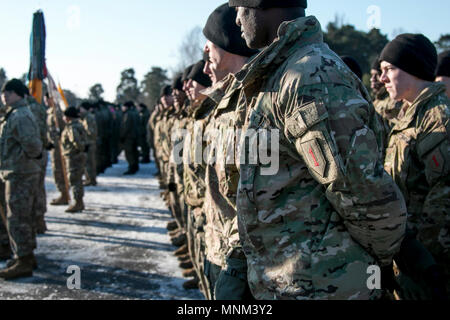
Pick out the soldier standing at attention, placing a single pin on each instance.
(144, 116)
(55, 125)
(21, 154)
(74, 142)
(323, 210)
(418, 157)
(129, 136)
(90, 126)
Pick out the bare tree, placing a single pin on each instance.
(191, 48)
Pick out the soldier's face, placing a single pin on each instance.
(375, 83)
(446, 81)
(195, 91)
(178, 97)
(398, 83)
(253, 27)
(9, 97)
(187, 89)
(218, 66)
(167, 101)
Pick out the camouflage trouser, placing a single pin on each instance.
(177, 207)
(131, 154)
(196, 245)
(212, 272)
(57, 169)
(91, 163)
(20, 192)
(40, 204)
(4, 238)
(76, 165)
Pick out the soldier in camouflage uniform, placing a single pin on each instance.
(315, 216)
(129, 135)
(74, 142)
(115, 139)
(40, 205)
(55, 125)
(387, 108)
(418, 159)
(227, 54)
(21, 154)
(90, 126)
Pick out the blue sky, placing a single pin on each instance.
(93, 41)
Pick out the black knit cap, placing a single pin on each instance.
(414, 54)
(222, 30)
(376, 65)
(264, 4)
(178, 82)
(17, 86)
(443, 68)
(86, 105)
(186, 72)
(165, 91)
(353, 65)
(72, 112)
(197, 74)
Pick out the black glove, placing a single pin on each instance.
(86, 149)
(50, 146)
(172, 187)
(388, 281)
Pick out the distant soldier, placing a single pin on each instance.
(443, 70)
(115, 139)
(55, 125)
(20, 168)
(315, 207)
(418, 159)
(129, 132)
(90, 126)
(144, 116)
(74, 142)
(387, 108)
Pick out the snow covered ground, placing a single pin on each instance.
(120, 243)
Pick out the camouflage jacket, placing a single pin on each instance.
(311, 228)
(90, 126)
(74, 138)
(177, 136)
(144, 116)
(40, 115)
(193, 154)
(55, 125)
(418, 158)
(387, 108)
(164, 130)
(20, 144)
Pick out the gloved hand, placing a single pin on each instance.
(172, 187)
(50, 146)
(86, 149)
(232, 281)
(388, 281)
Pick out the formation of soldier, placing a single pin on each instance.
(357, 179)
(285, 177)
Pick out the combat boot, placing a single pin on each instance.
(189, 273)
(186, 265)
(78, 206)
(145, 159)
(185, 257)
(172, 225)
(191, 284)
(11, 262)
(181, 251)
(22, 267)
(179, 240)
(5, 252)
(63, 200)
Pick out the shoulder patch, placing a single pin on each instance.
(314, 156)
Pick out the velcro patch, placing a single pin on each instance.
(314, 155)
(305, 117)
(436, 161)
